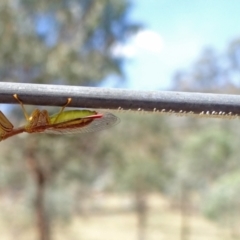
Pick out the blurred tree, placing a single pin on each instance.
(140, 166)
(222, 202)
(62, 41)
(211, 72)
(211, 153)
(201, 160)
(67, 42)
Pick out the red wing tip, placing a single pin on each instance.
(99, 115)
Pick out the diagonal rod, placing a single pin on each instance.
(181, 103)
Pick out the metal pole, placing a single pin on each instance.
(180, 103)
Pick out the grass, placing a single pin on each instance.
(110, 223)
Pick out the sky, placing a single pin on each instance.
(174, 34)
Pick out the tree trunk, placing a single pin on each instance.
(141, 207)
(42, 220)
(185, 214)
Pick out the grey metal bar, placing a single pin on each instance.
(181, 103)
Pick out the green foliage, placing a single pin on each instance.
(137, 153)
(62, 41)
(203, 157)
(208, 151)
(222, 201)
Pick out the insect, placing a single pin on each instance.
(6, 126)
(63, 122)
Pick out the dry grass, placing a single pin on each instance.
(163, 223)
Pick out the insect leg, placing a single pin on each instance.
(63, 107)
(23, 108)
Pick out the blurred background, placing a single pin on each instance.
(149, 177)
